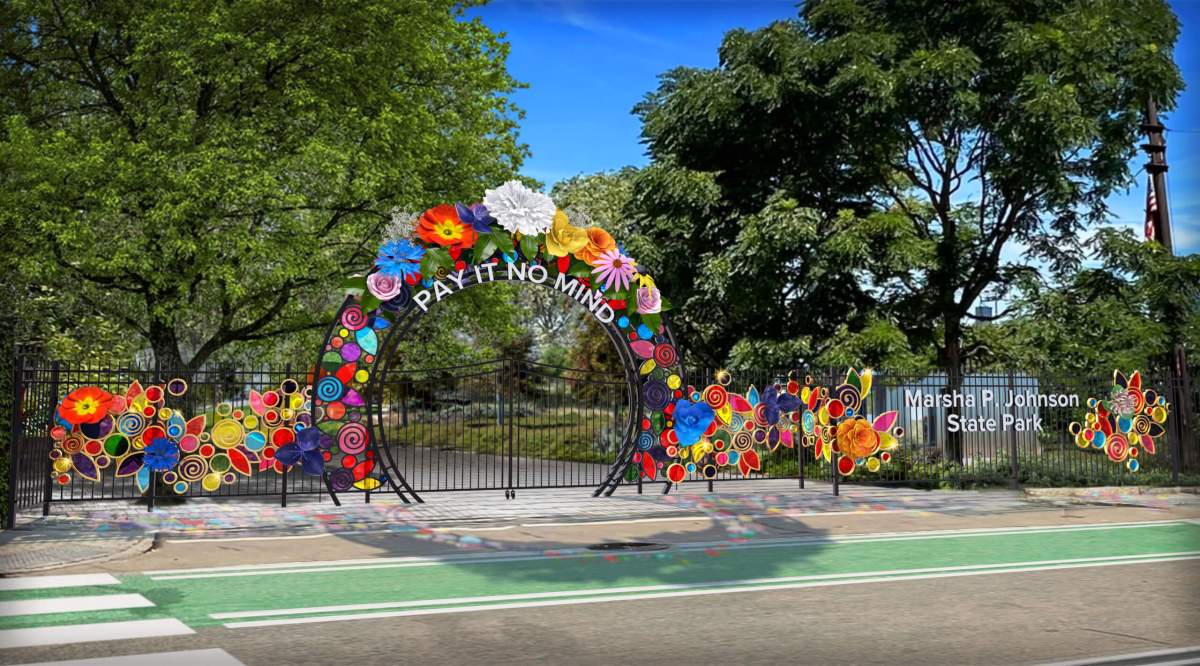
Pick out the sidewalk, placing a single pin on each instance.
(80, 533)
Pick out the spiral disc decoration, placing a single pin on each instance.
(134, 433)
(1126, 424)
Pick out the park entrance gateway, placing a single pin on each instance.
(359, 422)
(363, 405)
(672, 429)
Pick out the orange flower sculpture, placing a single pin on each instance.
(599, 241)
(856, 438)
(441, 225)
(88, 404)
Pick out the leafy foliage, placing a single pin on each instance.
(202, 172)
(1126, 312)
(861, 170)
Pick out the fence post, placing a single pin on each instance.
(1012, 437)
(154, 474)
(287, 374)
(833, 455)
(10, 518)
(1180, 411)
(54, 389)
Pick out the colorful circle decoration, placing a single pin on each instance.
(1126, 423)
(139, 435)
(832, 422)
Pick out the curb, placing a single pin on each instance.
(1089, 493)
(143, 544)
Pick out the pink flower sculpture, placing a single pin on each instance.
(614, 268)
(649, 300)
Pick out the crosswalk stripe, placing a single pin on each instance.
(73, 604)
(48, 582)
(210, 657)
(98, 631)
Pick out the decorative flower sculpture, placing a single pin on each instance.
(1129, 422)
(599, 241)
(833, 424)
(139, 434)
(614, 268)
(88, 404)
(691, 421)
(856, 438)
(519, 209)
(306, 449)
(440, 225)
(400, 258)
(649, 300)
(564, 238)
(477, 216)
(385, 286)
(161, 454)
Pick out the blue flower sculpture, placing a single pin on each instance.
(691, 420)
(399, 258)
(161, 455)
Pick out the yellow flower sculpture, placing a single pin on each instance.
(565, 238)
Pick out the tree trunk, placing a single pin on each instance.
(165, 345)
(952, 362)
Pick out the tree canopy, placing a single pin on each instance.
(865, 172)
(202, 173)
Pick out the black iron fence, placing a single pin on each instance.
(517, 424)
(39, 386)
(504, 424)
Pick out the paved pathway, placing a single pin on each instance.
(97, 531)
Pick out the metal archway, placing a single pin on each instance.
(400, 322)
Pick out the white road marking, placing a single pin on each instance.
(210, 657)
(676, 586)
(48, 582)
(701, 592)
(1166, 654)
(571, 553)
(73, 604)
(84, 633)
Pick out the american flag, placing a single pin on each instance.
(1151, 209)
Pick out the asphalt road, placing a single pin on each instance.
(1029, 586)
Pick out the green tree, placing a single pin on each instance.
(1125, 313)
(203, 172)
(961, 129)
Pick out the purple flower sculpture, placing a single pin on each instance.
(306, 450)
(475, 215)
(775, 403)
(691, 420)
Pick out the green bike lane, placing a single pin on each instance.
(303, 592)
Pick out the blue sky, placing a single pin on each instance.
(588, 62)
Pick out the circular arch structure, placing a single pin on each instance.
(355, 360)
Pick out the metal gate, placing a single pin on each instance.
(503, 424)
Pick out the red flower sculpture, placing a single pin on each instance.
(85, 405)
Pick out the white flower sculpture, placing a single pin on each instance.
(520, 209)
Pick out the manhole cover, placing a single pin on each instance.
(628, 545)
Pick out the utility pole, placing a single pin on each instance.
(1181, 385)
